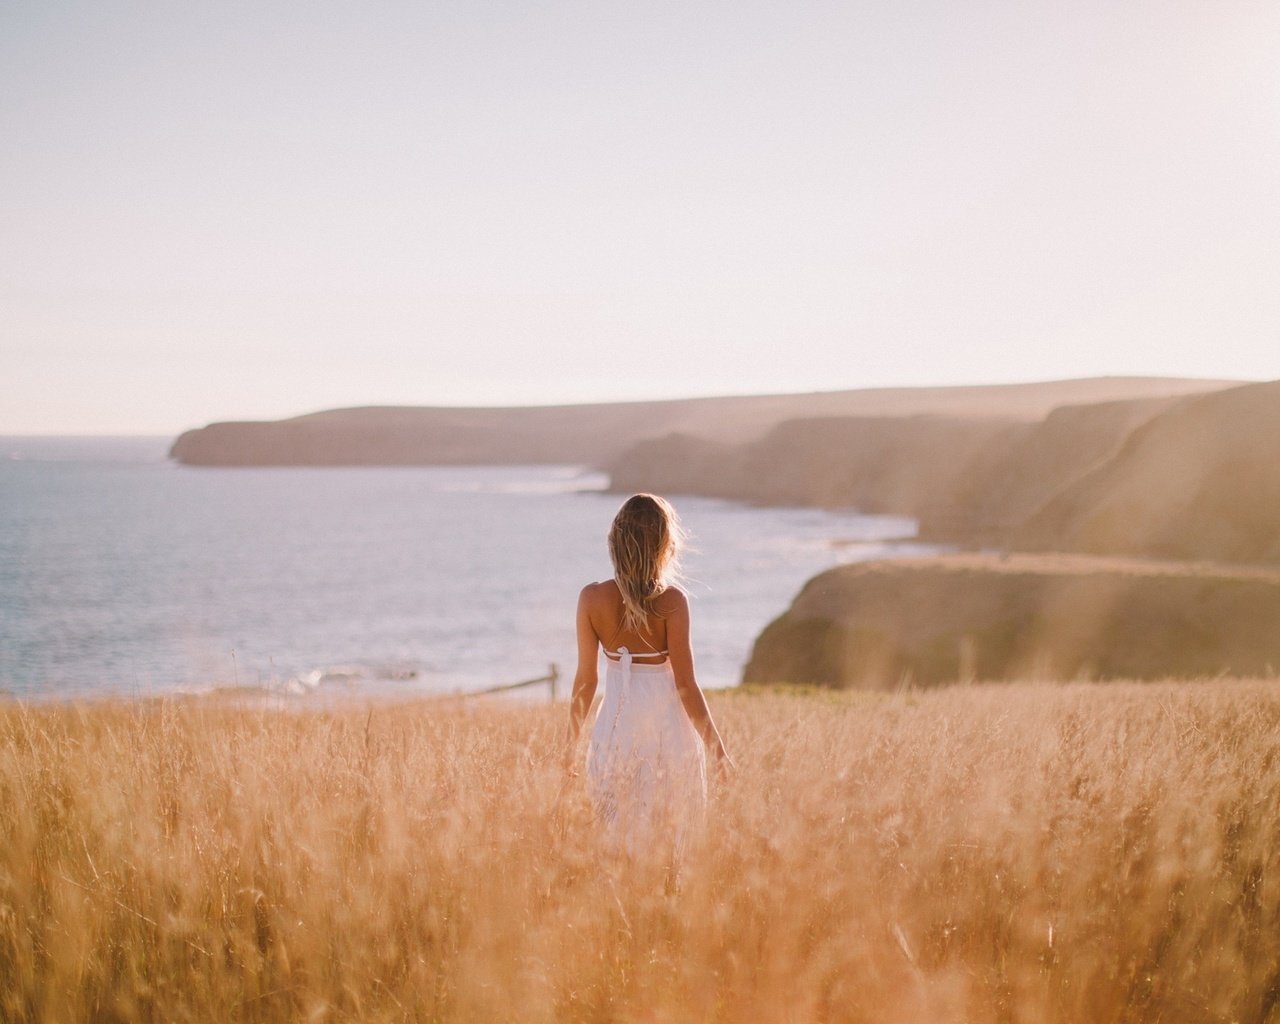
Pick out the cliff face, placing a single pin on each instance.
(1191, 477)
(1010, 480)
(967, 479)
(1201, 480)
(875, 464)
(1056, 617)
(1195, 479)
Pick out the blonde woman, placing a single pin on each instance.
(646, 761)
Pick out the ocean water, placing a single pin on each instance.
(123, 573)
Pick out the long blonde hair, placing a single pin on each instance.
(645, 541)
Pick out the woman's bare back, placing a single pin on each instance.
(606, 612)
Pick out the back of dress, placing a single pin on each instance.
(646, 767)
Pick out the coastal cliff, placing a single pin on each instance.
(597, 434)
(1188, 477)
(1200, 481)
(963, 478)
(930, 621)
(1191, 486)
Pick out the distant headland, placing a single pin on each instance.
(598, 434)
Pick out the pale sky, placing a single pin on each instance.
(254, 210)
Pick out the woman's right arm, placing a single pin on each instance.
(680, 649)
(586, 678)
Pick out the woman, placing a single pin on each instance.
(646, 762)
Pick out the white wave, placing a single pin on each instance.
(548, 480)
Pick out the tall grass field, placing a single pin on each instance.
(1017, 853)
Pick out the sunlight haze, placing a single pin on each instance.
(225, 211)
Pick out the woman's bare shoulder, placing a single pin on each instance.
(594, 593)
(671, 601)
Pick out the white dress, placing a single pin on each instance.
(646, 766)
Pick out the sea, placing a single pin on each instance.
(124, 574)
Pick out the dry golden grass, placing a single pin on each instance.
(1016, 853)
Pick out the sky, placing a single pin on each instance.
(231, 210)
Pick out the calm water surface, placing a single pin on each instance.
(121, 572)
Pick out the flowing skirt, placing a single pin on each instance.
(646, 766)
